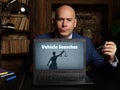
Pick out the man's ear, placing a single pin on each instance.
(75, 24)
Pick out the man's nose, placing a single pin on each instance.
(64, 24)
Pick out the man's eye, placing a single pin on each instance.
(59, 19)
(69, 19)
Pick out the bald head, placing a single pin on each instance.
(65, 9)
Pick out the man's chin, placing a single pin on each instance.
(64, 35)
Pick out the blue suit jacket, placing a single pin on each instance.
(92, 56)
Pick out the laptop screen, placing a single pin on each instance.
(59, 55)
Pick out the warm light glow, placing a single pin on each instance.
(22, 9)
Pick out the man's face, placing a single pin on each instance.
(65, 22)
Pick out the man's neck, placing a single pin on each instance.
(58, 36)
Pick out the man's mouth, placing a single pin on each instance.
(63, 30)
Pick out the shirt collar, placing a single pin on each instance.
(70, 37)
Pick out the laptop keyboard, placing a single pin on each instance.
(59, 77)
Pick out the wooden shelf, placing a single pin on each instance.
(15, 55)
(15, 42)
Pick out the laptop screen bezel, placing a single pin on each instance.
(60, 70)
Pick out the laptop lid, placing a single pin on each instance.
(59, 61)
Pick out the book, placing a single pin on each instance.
(3, 71)
(8, 74)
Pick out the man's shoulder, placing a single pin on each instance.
(88, 40)
(76, 35)
(47, 35)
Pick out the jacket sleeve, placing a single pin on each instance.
(93, 57)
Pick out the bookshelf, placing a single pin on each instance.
(15, 43)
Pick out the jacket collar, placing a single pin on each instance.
(74, 35)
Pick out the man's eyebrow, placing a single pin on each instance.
(59, 18)
(63, 18)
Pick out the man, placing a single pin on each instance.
(65, 21)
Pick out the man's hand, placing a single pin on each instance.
(109, 50)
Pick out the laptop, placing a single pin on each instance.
(59, 62)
